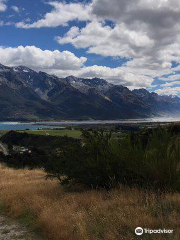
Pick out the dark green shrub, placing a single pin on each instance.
(41, 148)
(92, 163)
(101, 161)
(36, 159)
(154, 164)
(34, 140)
(162, 160)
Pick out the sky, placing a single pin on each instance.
(131, 43)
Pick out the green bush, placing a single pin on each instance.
(100, 161)
(155, 165)
(92, 162)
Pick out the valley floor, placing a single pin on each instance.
(64, 214)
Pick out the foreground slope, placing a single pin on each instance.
(71, 215)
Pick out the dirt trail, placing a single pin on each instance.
(9, 230)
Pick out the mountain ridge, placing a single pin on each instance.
(29, 95)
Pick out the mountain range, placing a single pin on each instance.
(29, 95)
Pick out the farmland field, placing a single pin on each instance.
(69, 133)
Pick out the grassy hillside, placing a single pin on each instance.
(85, 215)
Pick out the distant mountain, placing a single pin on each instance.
(29, 95)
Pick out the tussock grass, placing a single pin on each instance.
(66, 215)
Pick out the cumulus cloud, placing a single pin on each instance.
(66, 63)
(171, 84)
(149, 11)
(3, 5)
(61, 14)
(39, 59)
(168, 91)
(117, 41)
(148, 33)
(145, 32)
(118, 75)
(173, 78)
(15, 8)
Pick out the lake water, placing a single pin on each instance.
(147, 120)
(62, 124)
(21, 126)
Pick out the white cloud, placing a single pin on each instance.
(149, 11)
(38, 59)
(66, 63)
(143, 30)
(171, 78)
(61, 14)
(119, 41)
(101, 39)
(15, 8)
(146, 32)
(3, 5)
(168, 91)
(120, 75)
(171, 84)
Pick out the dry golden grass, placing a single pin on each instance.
(62, 215)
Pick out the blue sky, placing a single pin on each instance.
(44, 37)
(132, 43)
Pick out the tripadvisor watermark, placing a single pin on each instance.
(139, 231)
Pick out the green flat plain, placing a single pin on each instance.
(69, 133)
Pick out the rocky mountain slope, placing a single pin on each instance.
(29, 95)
